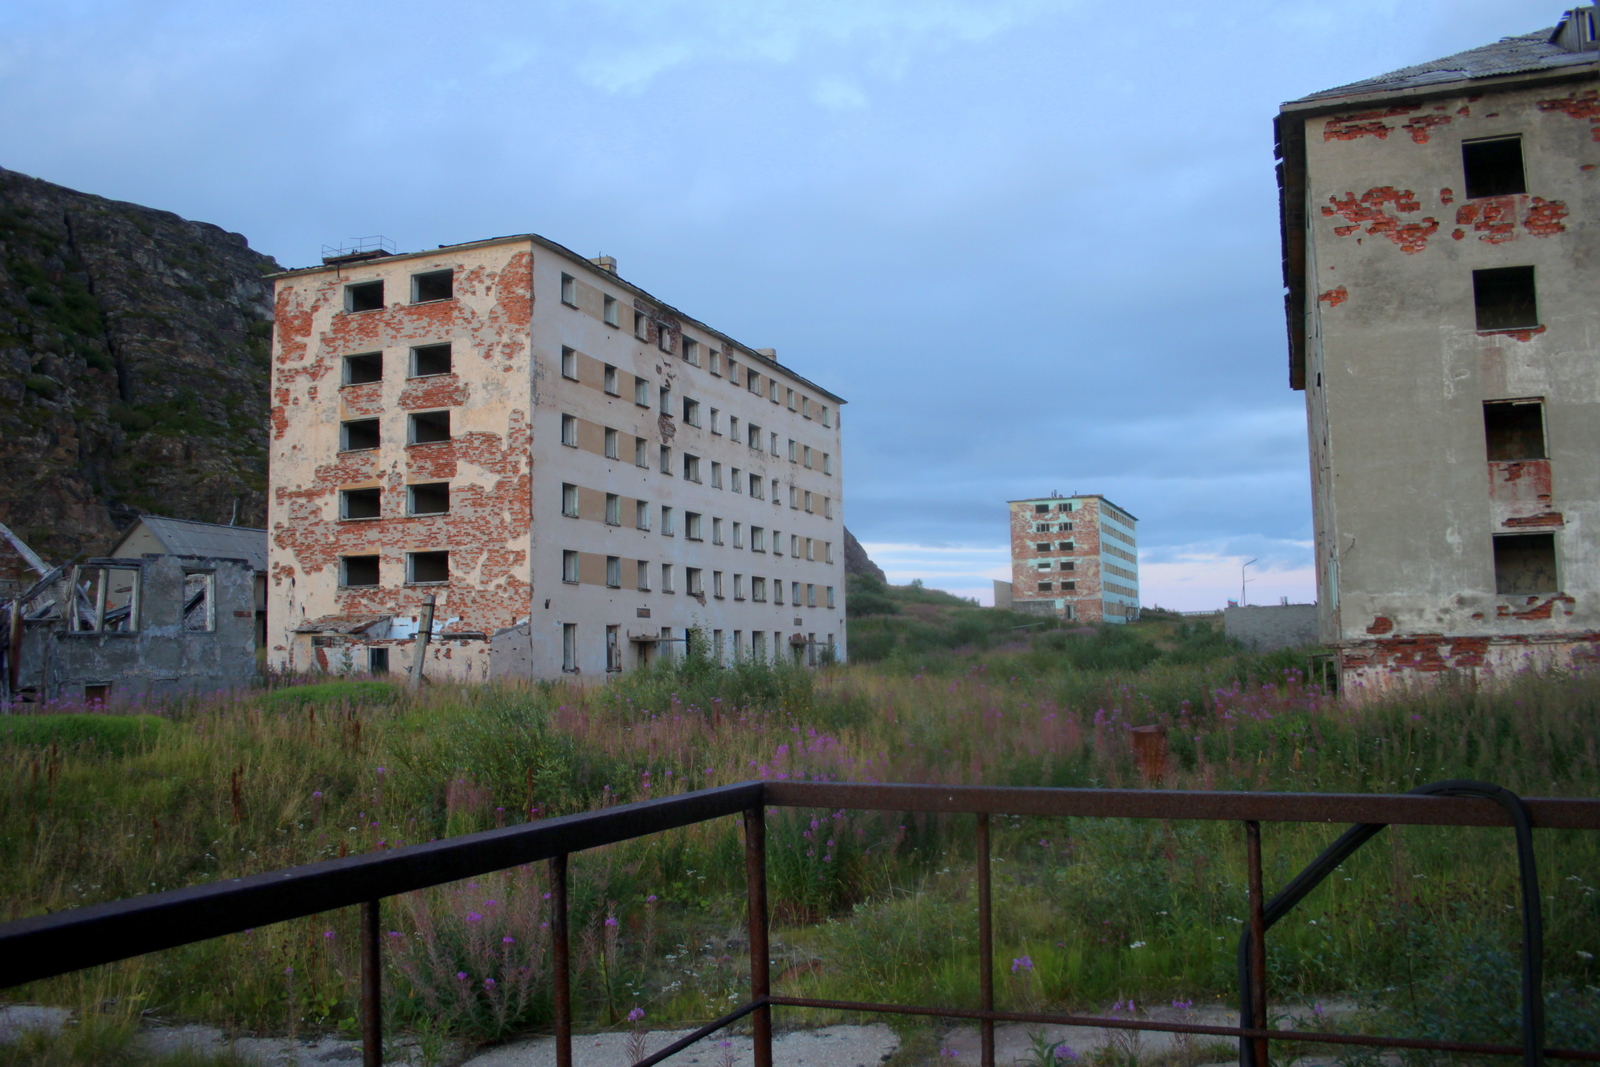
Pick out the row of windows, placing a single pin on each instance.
(1066, 565)
(425, 288)
(422, 428)
(422, 568)
(1044, 509)
(801, 593)
(667, 340)
(422, 361)
(695, 527)
(426, 498)
(692, 638)
(1049, 587)
(1047, 546)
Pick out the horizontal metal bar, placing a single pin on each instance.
(1549, 813)
(65, 941)
(701, 1034)
(1303, 1036)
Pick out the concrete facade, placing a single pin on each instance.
(1444, 325)
(1074, 557)
(579, 474)
(1264, 628)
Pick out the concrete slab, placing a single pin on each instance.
(833, 1046)
(16, 1018)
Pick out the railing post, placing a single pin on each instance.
(1258, 940)
(985, 944)
(371, 986)
(561, 991)
(755, 870)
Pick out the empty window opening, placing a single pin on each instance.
(198, 610)
(364, 368)
(666, 459)
(614, 572)
(569, 363)
(641, 515)
(1514, 430)
(429, 360)
(642, 573)
(569, 290)
(360, 503)
(569, 500)
(613, 509)
(691, 411)
(611, 381)
(613, 648)
(641, 326)
(611, 444)
(358, 435)
(1493, 167)
(431, 498)
(96, 693)
(427, 568)
(1045, 587)
(1525, 563)
(569, 567)
(641, 392)
(1504, 297)
(569, 647)
(666, 400)
(569, 430)
(691, 351)
(364, 296)
(356, 572)
(434, 285)
(377, 661)
(664, 339)
(610, 311)
(1043, 546)
(430, 427)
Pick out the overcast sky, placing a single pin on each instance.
(1033, 243)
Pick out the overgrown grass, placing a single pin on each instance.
(873, 906)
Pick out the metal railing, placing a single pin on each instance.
(48, 945)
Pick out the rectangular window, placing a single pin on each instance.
(735, 480)
(1493, 167)
(610, 379)
(691, 411)
(610, 311)
(753, 436)
(434, 285)
(772, 389)
(825, 420)
(758, 644)
(794, 451)
(738, 535)
(733, 427)
(614, 572)
(613, 648)
(1525, 563)
(644, 575)
(777, 590)
(666, 400)
(691, 525)
(758, 589)
(827, 551)
(666, 578)
(569, 500)
(716, 586)
(758, 539)
(641, 392)
(716, 475)
(794, 545)
(830, 596)
(427, 568)
(641, 515)
(1046, 587)
(363, 296)
(693, 584)
(777, 543)
(716, 422)
(716, 647)
(641, 452)
(1065, 507)
(363, 368)
(1068, 587)
(612, 449)
(1514, 430)
(641, 326)
(807, 499)
(377, 661)
(1042, 566)
(569, 431)
(773, 446)
(569, 363)
(358, 572)
(569, 567)
(756, 487)
(805, 407)
(430, 360)
(752, 382)
(1042, 546)
(569, 290)
(1068, 565)
(1068, 546)
(716, 363)
(666, 521)
(666, 459)
(360, 503)
(1041, 509)
(429, 498)
(811, 549)
(827, 463)
(664, 338)
(569, 647)
(691, 351)
(1504, 298)
(777, 496)
(738, 587)
(811, 595)
(806, 457)
(358, 435)
(691, 467)
(791, 400)
(613, 509)
(716, 531)
(429, 427)
(199, 604)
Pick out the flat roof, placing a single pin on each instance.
(581, 262)
(1076, 496)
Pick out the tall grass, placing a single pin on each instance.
(870, 905)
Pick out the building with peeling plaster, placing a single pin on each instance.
(580, 476)
(1441, 245)
(1074, 557)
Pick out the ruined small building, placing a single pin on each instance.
(181, 537)
(1074, 557)
(573, 476)
(1441, 250)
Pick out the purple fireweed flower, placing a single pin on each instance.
(611, 920)
(289, 971)
(1065, 1053)
(1021, 963)
(461, 976)
(635, 1015)
(490, 903)
(317, 794)
(651, 898)
(488, 983)
(328, 934)
(473, 917)
(396, 933)
(508, 940)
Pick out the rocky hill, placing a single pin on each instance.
(134, 356)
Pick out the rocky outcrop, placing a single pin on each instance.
(134, 356)
(856, 560)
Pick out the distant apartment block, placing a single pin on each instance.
(582, 478)
(1075, 557)
(1441, 254)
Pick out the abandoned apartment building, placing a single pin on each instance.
(571, 476)
(1442, 260)
(1073, 557)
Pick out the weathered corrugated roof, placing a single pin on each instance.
(340, 624)
(1509, 55)
(181, 537)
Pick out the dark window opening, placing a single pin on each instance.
(378, 661)
(430, 427)
(358, 571)
(1504, 297)
(358, 436)
(1068, 586)
(1042, 546)
(429, 360)
(197, 612)
(1525, 563)
(427, 568)
(1494, 167)
(367, 296)
(1068, 565)
(1045, 587)
(435, 285)
(367, 367)
(1040, 509)
(430, 499)
(360, 503)
(96, 694)
(1514, 430)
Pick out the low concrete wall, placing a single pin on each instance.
(1272, 626)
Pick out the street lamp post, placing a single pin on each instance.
(1242, 582)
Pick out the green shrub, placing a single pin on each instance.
(115, 734)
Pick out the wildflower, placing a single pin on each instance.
(611, 920)
(473, 917)
(396, 933)
(488, 983)
(724, 1044)
(1065, 1053)
(289, 971)
(635, 1015)
(490, 903)
(317, 794)
(1022, 963)
(508, 940)
(1185, 1005)
(328, 935)
(461, 976)
(651, 899)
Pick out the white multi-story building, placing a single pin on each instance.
(582, 477)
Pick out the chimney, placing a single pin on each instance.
(1577, 30)
(605, 263)
(770, 353)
